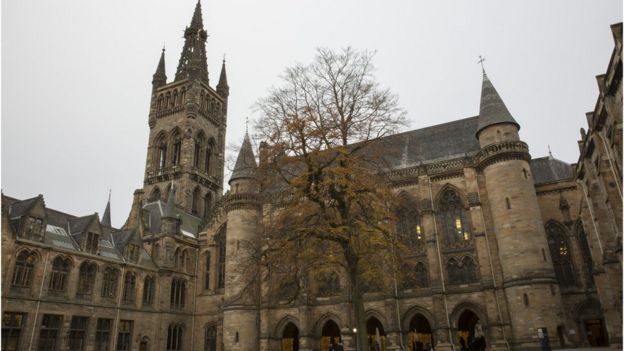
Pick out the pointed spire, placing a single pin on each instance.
(192, 64)
(106, 217)
(246, 162)
(160, 77)
(222, 88)
(197, 22)
(170, 202)
(492, 109)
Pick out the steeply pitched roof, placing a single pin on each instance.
(189, 224)
(20, 208)
(246, 162)
(436, 143)
(492, 109)
(548, 170)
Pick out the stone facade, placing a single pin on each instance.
(505, 243)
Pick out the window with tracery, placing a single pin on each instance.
(177, 150)
(210, 338)
(586, 254)
(92, 243)
(461, 272)
(109, 282)
(562, 262)
(329, 284)
(174, 337)
(58, 276)
(207, 157)
(148, 291)
(129, 292)
(408, 223)
(220, 240)
(178, 293)
(196, 201)
(34, 228)
(24, 266)
(86, 278)
(453, 219)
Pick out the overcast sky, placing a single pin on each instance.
(76, 74)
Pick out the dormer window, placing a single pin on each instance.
(132, 252)
(33, 228)
(92, 243)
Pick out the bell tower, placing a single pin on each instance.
(187, 121)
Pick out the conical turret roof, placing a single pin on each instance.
(106, 217)
(492, 109)
(246, 162)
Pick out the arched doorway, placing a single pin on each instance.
(290, 337)
(376, 335)
(330, 335)
(144, 344)
(419, 336)
(470, 331)
(592, 323)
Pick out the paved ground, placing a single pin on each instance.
(588, 349)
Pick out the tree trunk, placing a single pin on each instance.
(357, 301)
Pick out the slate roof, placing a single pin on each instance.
(61, 228)
(548, 169)
(190, 225)
(492, 110)
(246, 162)
(436, 143)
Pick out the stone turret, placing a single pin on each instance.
(241, 299)
(160, 77)
(528, 277)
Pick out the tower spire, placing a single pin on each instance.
(223, 88)
(246, 162)
(492, 109)
(192, 63)
(106, 217)
(160, 77)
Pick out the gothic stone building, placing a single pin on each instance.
(503, 243)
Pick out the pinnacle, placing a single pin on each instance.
(223, 77)
(196, 21)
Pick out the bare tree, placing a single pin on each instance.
(323, 169)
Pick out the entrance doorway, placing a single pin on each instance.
(376, 335)
(290, 338)
(330, 335)
(470, 332)
(419, 336)
(596, 335)
(144, 344)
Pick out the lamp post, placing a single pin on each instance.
(355, 337)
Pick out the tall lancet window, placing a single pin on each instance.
(453, 218)
(558, 245)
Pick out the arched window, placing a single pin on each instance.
(129, 292)
(408, 224)
(58, 276)
(559, 252)
(175, 337)
(178, 294)
(196, 201)
(220, 240)
(179, 260)
(182, 96)
(208, 156)
(329, 284)
(202, 100)
(453, 219)
(161, 152)
(167, 100)
(109, 282)
(210, 338)
(177, 149)
(199, 145)
(207, 204)
(463, 272)
(174, 100)
(585, 254)
(207, 271)
(155, 194)
(421, 275)
(86, 279)
(24, 266)
(148, 291)
(159, 105)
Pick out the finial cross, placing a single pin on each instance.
(481, 59)
(549, 151)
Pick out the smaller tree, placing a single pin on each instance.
(323, 170)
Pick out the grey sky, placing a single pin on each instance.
(76, 74)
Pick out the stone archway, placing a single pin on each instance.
(330, 335)
(592, 325)
(144, 345)
(376, 334)
(290, 337)
(420, 335)
(470, 331)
